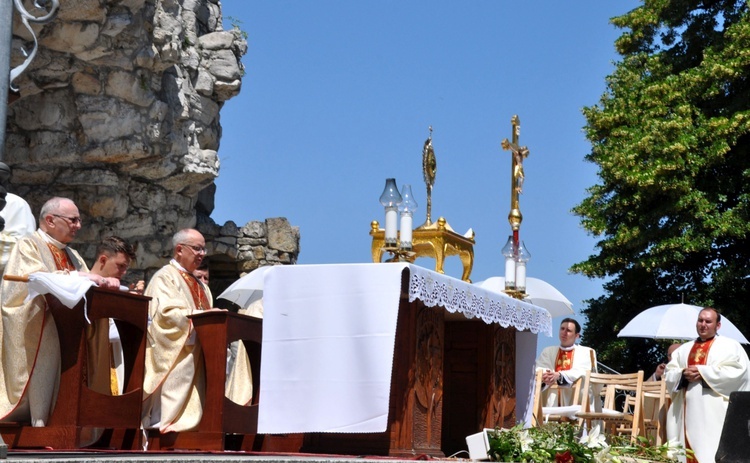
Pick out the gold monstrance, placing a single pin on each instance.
(429, 169)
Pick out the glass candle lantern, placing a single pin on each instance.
(406, 209)
(390, 199)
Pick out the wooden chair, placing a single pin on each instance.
(614, 419)
(564, 413)
(655, 404)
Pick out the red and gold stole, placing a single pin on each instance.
(699, 352)
(200, 298)
(564, 359)
(698, 356)
(62, 260)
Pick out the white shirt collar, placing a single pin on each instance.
(51, 240)
(177, 264)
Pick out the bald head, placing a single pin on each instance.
(189, 248)
(60, 219)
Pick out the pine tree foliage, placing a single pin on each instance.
(671, 139)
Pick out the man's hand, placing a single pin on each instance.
(692, 374)
(550, 377)
(102, 282)
(660, 371)
(137, 288)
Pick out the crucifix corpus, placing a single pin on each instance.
(518, 153)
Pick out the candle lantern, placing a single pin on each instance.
(509, 252)
(390, 199)
(523, 255)
(406, 208)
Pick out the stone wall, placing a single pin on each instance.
(119, 111)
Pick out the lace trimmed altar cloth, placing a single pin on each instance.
(329, 334)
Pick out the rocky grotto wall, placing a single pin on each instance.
(119, 111)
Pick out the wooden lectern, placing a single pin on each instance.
(78, 406)
(216, 329)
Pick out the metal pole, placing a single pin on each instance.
(6, 34)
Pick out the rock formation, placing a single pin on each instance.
(119, 111)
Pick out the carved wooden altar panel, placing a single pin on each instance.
(479, 380)
(500, 407)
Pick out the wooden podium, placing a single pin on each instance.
(221, 416)
(78, 406)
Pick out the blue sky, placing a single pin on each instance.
(338, 96)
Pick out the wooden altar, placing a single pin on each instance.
(451, 376)
(79, 407)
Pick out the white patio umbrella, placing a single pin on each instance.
(247, 289)
(538, 292)
(674, 321)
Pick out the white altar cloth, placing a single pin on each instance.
(329, 334)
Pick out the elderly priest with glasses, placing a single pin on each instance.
(30, 348)
(175, 382)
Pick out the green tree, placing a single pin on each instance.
(670, 137)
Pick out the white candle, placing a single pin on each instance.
(406, 224)
(510, 273)
(391, 225)
(521, 276)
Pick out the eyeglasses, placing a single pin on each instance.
(196, 249)
(73, 220)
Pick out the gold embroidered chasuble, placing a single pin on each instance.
(30, 348)
(174, 382)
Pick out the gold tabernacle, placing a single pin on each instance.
(437, 241)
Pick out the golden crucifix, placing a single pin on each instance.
(516, 180)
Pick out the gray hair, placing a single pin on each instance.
(181, 236)
(51, 206)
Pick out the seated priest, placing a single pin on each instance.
(113, 258)
(30, 348)
(174, 383)
(564, 364)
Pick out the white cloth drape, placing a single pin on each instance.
(68, 289)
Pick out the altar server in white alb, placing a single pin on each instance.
(700, 377)
(564, 364)
(19, 222)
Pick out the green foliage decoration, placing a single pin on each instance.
(563, 443)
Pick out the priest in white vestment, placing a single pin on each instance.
(700, 377)
(564, 365)
(30, 348)
(174, 384)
